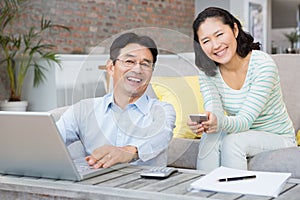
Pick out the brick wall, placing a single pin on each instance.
(95, 22)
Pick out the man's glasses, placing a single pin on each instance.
(130, 63)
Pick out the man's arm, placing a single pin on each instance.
(148, 143)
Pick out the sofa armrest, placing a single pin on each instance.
(280, 160)
(182, 153)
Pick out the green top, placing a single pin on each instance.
(258, 105)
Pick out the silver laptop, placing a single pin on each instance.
(30, 145)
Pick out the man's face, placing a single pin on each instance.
(132, 70)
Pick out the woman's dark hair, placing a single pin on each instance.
(132, 38)
(245, 42)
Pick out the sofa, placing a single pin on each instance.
(175, 81)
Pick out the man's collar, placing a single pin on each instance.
(109, 100)
(141, 103)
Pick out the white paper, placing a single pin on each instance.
(265, 183)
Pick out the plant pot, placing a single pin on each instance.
(13, 105)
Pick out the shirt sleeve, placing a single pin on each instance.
(159, 134)
(211, 97)
(67, 126)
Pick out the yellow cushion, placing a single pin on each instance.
(298, 138)
(184, 94)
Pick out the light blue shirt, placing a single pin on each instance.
(146, 124)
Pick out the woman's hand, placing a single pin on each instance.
(196, 128)
(209, 126)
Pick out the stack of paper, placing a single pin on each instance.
(265, 183)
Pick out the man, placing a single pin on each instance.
(126, 125)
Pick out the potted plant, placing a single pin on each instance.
(22, 51)
(293, 38)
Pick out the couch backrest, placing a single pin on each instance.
(289, 70)
(176, 65)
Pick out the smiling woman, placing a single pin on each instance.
(243, 82)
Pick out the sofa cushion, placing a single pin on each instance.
(184, 94)
(281, 160)
(183, 153)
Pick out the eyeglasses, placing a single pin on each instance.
(130, 63)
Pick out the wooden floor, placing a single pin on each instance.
(124, 184)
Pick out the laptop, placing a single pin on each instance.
(31, 145)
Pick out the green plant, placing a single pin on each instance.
(24, 50)
(293, 38)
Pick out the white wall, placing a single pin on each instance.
(202, 4)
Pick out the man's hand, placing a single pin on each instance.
(107, 156)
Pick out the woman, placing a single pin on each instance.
(241, 89)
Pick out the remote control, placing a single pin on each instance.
(158, 172)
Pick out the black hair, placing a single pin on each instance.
(132, 38)
(245, 42)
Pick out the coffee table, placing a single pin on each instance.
(123, 184)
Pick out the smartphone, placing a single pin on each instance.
(198, 117)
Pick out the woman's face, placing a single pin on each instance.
(218, 40)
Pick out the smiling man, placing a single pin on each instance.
(126, 125)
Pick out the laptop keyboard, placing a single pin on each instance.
(82, 166)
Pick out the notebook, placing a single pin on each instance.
(31, 145)
(228, 180)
